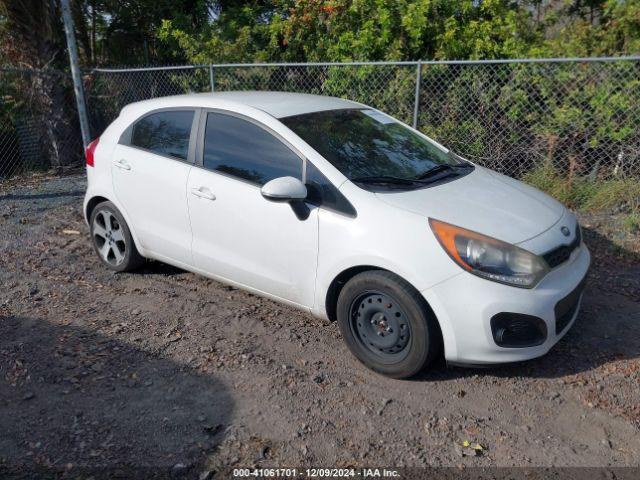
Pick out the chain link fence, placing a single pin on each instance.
(577, 117)
(572, 117)
(38, 122)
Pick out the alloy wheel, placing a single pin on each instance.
(109, 237)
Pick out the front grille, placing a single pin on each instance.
(559, 255)
(566, 308)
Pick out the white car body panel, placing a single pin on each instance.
(366, 240)
(243, 239)
(273, 104)
(155, 200)
(469, 341)
(483, 203)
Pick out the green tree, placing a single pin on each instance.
(117, 32)
(344, 30)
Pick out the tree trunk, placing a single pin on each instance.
(35, 32)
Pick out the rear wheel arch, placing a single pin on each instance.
(112, 239)
(92, 203)
(97, 200)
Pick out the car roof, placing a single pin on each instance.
(276, 104)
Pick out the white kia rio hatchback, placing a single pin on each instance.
(341, 210)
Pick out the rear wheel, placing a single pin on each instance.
(386, 324)
(112, 239)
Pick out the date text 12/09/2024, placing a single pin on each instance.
(315, 473)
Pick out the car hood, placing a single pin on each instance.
(486, 202)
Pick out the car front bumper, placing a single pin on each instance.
(465, 304)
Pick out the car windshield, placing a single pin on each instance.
(365, 144)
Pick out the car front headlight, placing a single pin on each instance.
(488, 257)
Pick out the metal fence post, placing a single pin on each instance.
(211, 81)
(75, 71)
(416, 105)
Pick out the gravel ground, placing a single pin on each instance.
(165, 369)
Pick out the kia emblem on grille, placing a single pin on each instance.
(565, 231)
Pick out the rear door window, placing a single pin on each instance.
(165, 133)
(242, 149)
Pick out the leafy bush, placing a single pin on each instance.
(583, 193)
(632, 223)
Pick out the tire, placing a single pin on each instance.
(112, 240)
(387, 324)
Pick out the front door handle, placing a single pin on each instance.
(203, 192)
(123, 165)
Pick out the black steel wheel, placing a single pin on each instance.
(387, 324)
(381, 325)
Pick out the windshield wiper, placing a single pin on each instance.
(385, 179)
(437, 169)
(421, 179)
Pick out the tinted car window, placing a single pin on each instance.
(321, 192)
(242, 149)
(366, 143)
(165, 133)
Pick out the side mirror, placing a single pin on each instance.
(284, 189)
(290, 190)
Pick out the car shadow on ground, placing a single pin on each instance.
(607, 328)
(152, 267)
(76, 401)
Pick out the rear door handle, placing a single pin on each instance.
(203, 192)
(123, 165)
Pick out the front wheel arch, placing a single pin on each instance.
(333, 292)
(393, 299)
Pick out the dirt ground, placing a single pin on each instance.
(165, 369)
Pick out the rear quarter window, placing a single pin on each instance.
(165, 133)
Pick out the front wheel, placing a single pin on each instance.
(387, 325)
(112, 239)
